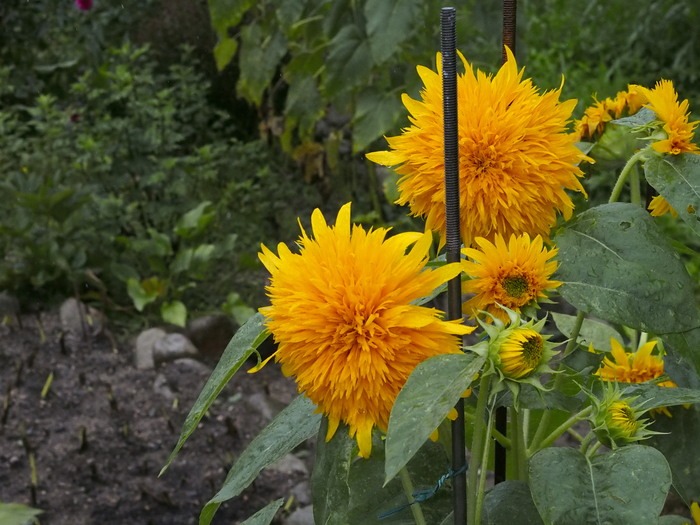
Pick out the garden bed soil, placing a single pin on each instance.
(84, 433)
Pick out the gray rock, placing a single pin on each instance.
(161, 387)
(76, 318)
(301, 516)
(192, 364)
(290, 465)
(143, 348)
(171, 347)
(210, 334)
(302, 493)
(263, 405)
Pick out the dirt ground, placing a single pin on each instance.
(83, 433)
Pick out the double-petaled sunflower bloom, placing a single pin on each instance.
(514, 275)
(634, 367)
(342, 312)
(516, 159)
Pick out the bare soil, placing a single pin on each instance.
(83, 433)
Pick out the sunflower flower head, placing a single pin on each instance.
(516, 275)
(617, 420)
(518, 351)
(695, 512)
(342, 313)
(516, 158)
(641, 366)
(673, 115)
(660, 206)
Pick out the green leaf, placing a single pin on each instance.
(294, 425)
(241, 346)
(673, 520)
(174, 312)
(265, 515)
(677, 179)
(139, 295)
(227, 13)
(432, 389)
(654, 396)
(389, 23)
(616, 263)
(628, 485)
(224, 50)
(592, 331)
(641, 118)
(17, 514)
(259, 57)
(195, 221)
(375, 114)
(349, 490)
(348, 62)
(681, 446)
(507, 500)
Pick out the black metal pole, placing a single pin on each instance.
(499, 471)
(453, 239)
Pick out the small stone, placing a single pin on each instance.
(301, 516)
(171, 347)
(188, 363)
(76, 318)
(290, 465)
(263, 405)
(211, 334)
(143, 348)
(302, 493)
(161, 387)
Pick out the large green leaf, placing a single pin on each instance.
(430, 392)
(349, 61)
(265, 515)
(654, 396)
(260, 55)
(241, 346)
(510, 503)
(349, 490)
(389, 23)
(375, 114)
(628, 485)
(592, 331)
(677, 179)
(680, 443)
(294, 425)
(616, 263)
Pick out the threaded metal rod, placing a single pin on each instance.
(510, 8)
(452, 237)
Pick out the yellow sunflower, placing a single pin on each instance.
(521, 353)
(634, 367)
(341, 312)
(513, 275)
(593, 121)
(660, 206)
(516, 158)
(663, 101)
(622, 421)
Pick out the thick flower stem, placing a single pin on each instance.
(518, 440)
(477, 450)
(570, 346)
(481, 489)
(407, 485)
(622, 178)
(561, 429)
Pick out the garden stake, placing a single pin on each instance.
(509, 17)
(453, 241)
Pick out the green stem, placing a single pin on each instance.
(572, 342)
(481, 490)
(503, 440)
(408, 490)
(586, 442)
(622, 178)
(477, 449)
(578, 437)
(552, 437)
(515, 432)
(635, 190)
(593, 449)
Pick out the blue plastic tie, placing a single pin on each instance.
(419, 496)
